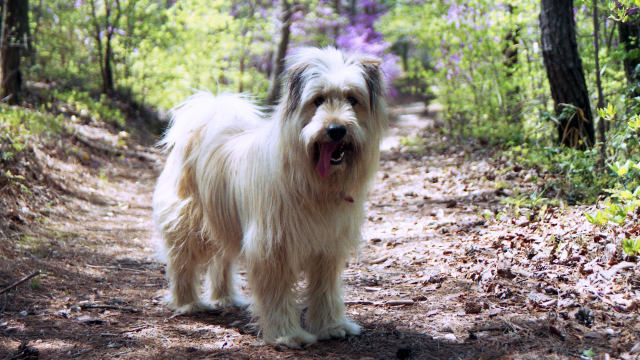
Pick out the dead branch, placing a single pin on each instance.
(24, 279)
(107, 307)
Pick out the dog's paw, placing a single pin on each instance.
(339, 330)
(296, 340)
(190, 308)
(230, 301)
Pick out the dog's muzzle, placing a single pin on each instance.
(332, 152)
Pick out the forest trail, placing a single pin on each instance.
(445, 270)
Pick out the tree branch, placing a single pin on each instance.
(24, 279)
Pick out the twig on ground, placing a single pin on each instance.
(24, 279)
(116, 268)
(107, 307)
(379, 260)
(491, 328)
(359, 302)
(377, 303)
(509, 325)
(135, 329)
(399, 302)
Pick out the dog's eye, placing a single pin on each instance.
(318, 101)
(352, 100)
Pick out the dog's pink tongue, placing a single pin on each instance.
(324, 161)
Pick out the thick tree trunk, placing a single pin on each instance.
(565, 74)
(629, 37)
(278, 57)
(14, 29)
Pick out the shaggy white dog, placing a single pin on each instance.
(284, 192)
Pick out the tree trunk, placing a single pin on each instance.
(111, 23)
(565, 74)
(600, 105)
(107, 75)
(97, 36)
(336, 29)
(629, 34)
(278, 57)
(14, 29)
(510, 52)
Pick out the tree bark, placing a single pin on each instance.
(98, 38)
(110, 26)
(14, 29)
(600, 105)
(510, 52)
(629, 34)
(278, 57)
(565, 74)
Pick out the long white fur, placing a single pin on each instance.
(239, 183)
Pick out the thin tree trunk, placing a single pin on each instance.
(279, 56)
(565, 74)
(14, 30)
(98, 38)
(600, 105)
(629, 34)
(110, 25)
(336, 29)
(510, 52)
(107, 81)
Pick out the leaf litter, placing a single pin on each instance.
(446, 269)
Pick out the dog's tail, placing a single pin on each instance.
(203, 111)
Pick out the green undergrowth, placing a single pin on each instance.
(577, 178)
(49, 116)
(82, 103)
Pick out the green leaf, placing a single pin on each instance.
(589, 353)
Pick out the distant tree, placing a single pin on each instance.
(510, 51)
(600, 103)
(280, 53)
(565, 74)
(629, 34)
(14, 32)
(105, 26)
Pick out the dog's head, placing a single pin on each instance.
(334, 107)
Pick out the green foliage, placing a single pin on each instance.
(589, 353)
(81, 102)
(483, 61)
(576, 171)
(202, 46)
(23, 122)
(624, 193)
(413, 144)
(36, 284)
(483, 94)
(631, 247)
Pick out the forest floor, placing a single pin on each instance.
(446, 270)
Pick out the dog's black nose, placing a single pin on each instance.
(336, 131)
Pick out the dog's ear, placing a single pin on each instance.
(374, 81)
(295, 86)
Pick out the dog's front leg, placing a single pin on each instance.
(274, 303)
(325, 316)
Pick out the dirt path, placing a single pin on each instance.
(445, 271)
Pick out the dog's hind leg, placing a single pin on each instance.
(221, 278)
(182, 274)
(274, 303)
(325, 316)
